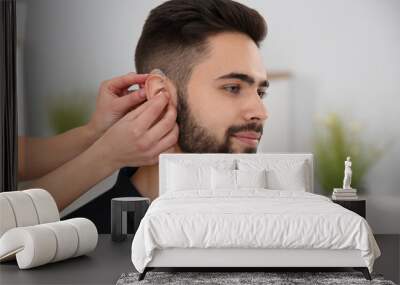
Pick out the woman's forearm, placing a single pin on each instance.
(77, 176)
(39, 156)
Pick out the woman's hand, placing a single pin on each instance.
(141, 135)
(115, 100)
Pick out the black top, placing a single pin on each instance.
(99, 209)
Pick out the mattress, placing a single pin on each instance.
(250, 218)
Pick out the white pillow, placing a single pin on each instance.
(223, 179)
(282, 174)
(206, 161)
(251, 178)
(181, 177)
(288, 179)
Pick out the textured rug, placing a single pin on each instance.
(273, 278)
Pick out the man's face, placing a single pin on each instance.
(222, 110)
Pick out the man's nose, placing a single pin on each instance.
(255, 109)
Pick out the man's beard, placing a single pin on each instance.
(194, 138)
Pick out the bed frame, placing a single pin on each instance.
(248, 259)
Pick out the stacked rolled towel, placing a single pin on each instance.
(344, 194)
(31, 230)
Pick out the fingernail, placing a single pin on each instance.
(158, 95)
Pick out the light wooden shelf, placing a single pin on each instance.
(279, 75)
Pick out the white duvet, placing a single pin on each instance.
(251, 218)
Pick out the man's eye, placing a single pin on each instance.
(262, 93)
(235, 89)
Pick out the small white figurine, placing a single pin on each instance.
(347, 174)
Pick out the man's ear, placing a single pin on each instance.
(158, 82)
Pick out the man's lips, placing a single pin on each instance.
(248, 135)
(250, 138)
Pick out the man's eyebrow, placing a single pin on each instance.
(244, 77)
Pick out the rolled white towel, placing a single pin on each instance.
(67, 240)
(7, 218)
(40, 244)
(26, 208)
(87, 235)
(33, 246)
(46, 207)
(23, 208)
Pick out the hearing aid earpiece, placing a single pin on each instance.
(159, 72)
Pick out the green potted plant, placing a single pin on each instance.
(68, 111)
(333, 142)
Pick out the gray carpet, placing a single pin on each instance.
(229, 278)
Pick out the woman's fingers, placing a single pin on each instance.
(125, 103)
(143, 133)
(132, 115)
(166, 142)
(162, 127)
(120, 83)
(148, 116)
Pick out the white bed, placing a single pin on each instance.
(247, 226)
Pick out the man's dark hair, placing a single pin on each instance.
(174, 36)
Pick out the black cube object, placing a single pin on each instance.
(119, 209)
(357, 206)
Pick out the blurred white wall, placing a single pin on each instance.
(344, 57)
